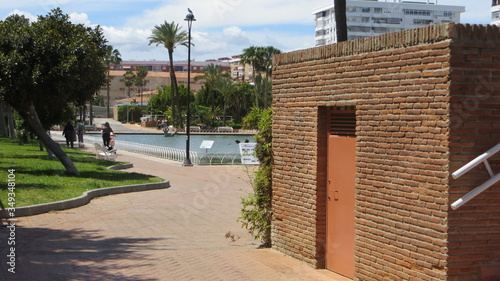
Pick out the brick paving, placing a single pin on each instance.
(169, 234)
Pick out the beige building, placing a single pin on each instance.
(158, 76)
(240, 71)
(154, 80)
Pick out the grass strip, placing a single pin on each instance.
(39, 179)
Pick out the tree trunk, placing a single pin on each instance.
(340, 19)
(11, 123)
(173, 92)
(255, 90)
(3, 120)
(107, 95)
(91, 117)
(224, 116)
(31, 118)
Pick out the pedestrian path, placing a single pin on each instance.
(170, 234)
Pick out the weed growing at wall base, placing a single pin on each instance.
(256, 213)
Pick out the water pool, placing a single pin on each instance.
(222, 143)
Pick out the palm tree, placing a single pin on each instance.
(251, 56)
(129, 78)
(263, 86)
(267, 60)
(170, 36)
(211, 75)
(140, 81)
(113, 56)
(227, 88)
(260, 58)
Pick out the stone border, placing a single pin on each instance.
(85, 198)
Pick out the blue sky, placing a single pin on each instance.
(223, 27)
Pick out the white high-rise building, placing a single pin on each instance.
(371, 17)
(495, 12)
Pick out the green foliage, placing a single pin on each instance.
(98, 100)
(49, 63)
(256, 213)
(251, 121)
(134, 113)
(205, 115)
(40, 179)
(161, 102)
(260, 58)
(129, 78)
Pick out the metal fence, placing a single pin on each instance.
(174, 154)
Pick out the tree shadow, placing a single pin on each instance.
(53, 254)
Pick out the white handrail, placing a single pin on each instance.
(478, 160)
(483, 158)
(475, 192)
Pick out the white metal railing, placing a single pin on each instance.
(483, 158)
(174, 154)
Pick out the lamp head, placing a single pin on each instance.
(190, 16)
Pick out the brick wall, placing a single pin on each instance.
(474, 229)
(416, 123)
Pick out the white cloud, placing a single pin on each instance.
(128, 38)
(29, 16)
(220, 13)
(78, 18)
(223, 27)
(234, 35)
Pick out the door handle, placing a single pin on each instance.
(336, 195)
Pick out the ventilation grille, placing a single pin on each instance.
(343, 123)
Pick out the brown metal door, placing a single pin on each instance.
(340, 201)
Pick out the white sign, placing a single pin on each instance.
(207, 144)
(247, 153)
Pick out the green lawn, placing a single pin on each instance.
(39, 179)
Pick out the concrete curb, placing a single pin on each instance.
(86, 196)
(84, 199)
(121, 166)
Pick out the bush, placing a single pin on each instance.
(257, 207)
(134, 112)
(251, 121)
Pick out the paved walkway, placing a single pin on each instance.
(170, 234)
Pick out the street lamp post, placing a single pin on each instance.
(189, 18)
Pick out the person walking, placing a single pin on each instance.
(106, 134)
(80, 130)
(69, 134)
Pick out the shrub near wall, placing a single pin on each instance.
(404, 87)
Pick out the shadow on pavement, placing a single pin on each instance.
(51, 254)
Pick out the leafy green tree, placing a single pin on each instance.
(129, 112)
(47, 65)
(113, 56)
(161, 102)
(170, 36)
